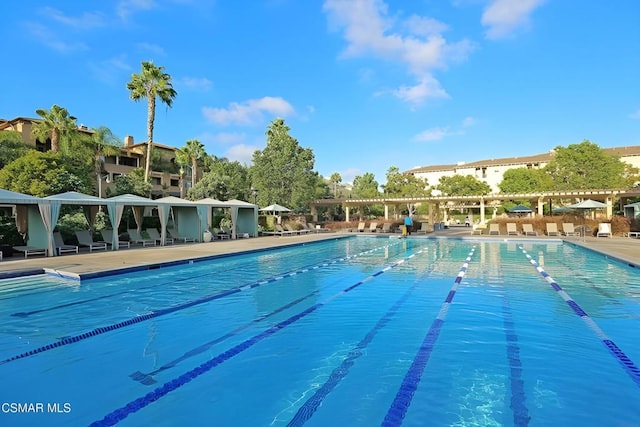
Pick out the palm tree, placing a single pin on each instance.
(56, 124)
(194, 150)
(152, 82)
(182, 159)
(103, 143)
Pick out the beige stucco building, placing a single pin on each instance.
(131, 156)
(491, 171)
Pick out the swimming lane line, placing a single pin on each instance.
(153, 314)
(521, 416)
(141, 402)
(630, 368)
(400, 405)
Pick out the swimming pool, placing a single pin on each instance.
(355, 331)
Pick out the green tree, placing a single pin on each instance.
(41, 175)
(365, 186)
(56, 124)
(283, 172)
(195, 151)
(335, 180)
(225, 180)
(524, 180)
(586, 166)
(133, 183)
(151, 83)
(462, 185)
(11, 147)
(404, 185)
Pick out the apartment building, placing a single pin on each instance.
(491, 171)
(165, 182)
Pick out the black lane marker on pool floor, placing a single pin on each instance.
(630, 368)
(306, 411)
(521, 416)
(141, 402)
(141, 318)
(400, 405)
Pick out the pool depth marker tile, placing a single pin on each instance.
(632, 370)
(141, 402)
(401, 402)
(157, 313)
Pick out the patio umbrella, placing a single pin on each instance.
(275, 208)
(520, 209)
(587, 206)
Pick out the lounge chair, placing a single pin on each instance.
(478, 229)
(155, 235)
(604, 230)
(424, 228)
(289, 227)
(318, 228)
(107, 237)
(85, 239)
(221, 234)
(60, 246)
(177, 237)
(527, 230)
(512, 229)
(552, 229)
(360, 227)
(386, 228)
(31, 250)
(569, 230)
(136, 237)
(373, 227)
(494, 229)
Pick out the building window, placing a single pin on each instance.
(129, 161)
(156, 180)
(175, 182)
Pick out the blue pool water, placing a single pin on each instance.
(359, 331)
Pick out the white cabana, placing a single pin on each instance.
(115, 207)
(185, 214)
(632, 210)
(28, 217)
(244, 215)
(50, 211)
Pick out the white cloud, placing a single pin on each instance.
(150, 47)
(197, 83)
(468, 122)
(241, 153)
(416, 42)
(427, 88)
(503, 17)
(635, 115)
(111, 69)
(126, 8)
(84, 21)
(249, 112)
(433, 134)
(51, 39)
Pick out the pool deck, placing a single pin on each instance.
(85, 265)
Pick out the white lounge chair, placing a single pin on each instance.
(373, 227)
(155, 235)
(136, 237)
(177, 237)
(386, 228)
(604, 230)
(494, 229)
(221, 234)
(85, 239)
(107, 237)
(512, 229)
(569, 230)
(60, 246)
(552, 229)
(527, 230)
(424, 228)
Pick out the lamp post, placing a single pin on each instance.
(106, 178)
(255, 194)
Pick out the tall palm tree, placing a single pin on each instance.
(56, 124)
(151, 83)
(182, 159)
(103, 143)
(194, 149)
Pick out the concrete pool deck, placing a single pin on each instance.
(86, 264)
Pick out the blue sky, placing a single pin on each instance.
(367, 84)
